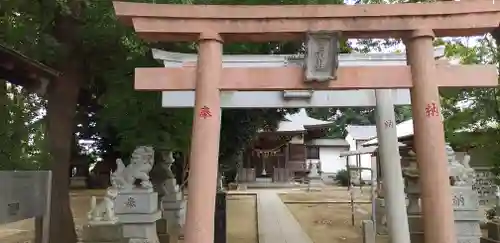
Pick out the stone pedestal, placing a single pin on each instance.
(314, 171)
(466, 212)
(467, 217)
(102, 233)
(137, 210)
(166, 235)
(171, 200)
(173, 217)
(369, 235)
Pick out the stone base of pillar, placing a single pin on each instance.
(100, 233)
(368, 231)
(137, 211)
(380, 217)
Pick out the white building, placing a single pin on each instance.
(356, 137)
(327, 151)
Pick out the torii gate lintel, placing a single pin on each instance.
(292, 78)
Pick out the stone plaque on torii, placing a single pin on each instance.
(417, 24)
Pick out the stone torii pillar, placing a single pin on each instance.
(429, 140)
(390, 164)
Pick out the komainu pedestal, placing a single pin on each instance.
(171, 200)
(102, 233)
(465, 204)
(103, 225)
(467, 217)
(138, 212)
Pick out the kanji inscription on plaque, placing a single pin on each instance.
(205, 112)
(431, 110)
(321, 55)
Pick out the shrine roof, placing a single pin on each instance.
(177, 59)
(305, 120)
(359, 132)
(22, 70)
(289, 126)
(363, 150)
(403, 131)
(300, 122)
(328, 142)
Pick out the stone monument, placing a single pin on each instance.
(103, 223)
(136, 204)
(465, 201)
(171, 200)
(314, 180)
(493, 226)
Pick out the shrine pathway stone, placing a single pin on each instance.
(276, 223)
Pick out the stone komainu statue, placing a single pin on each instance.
(141, 163)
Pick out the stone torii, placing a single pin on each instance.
(416, 24)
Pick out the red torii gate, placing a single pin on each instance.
(416, 24)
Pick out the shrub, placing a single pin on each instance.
(342, 177)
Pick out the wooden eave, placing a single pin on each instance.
(21, 70)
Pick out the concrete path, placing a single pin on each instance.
(276, 223)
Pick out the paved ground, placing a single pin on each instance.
(275, 222)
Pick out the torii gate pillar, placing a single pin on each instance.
(204, 155)
(429, 140)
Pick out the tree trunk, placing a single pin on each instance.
(4, 128)
(61, 110)
(61, 107)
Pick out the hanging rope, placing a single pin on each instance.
(268, 152)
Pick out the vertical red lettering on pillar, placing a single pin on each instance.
(388, 124)
(205, 112)
(431, 110)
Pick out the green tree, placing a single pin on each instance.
(472, 115)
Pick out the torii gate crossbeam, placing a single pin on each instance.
(280, 99)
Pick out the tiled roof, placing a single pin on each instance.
(361, 132)
(403, 129)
